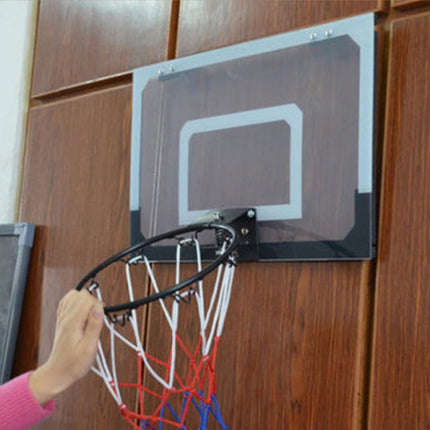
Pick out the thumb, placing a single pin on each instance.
(94, 324)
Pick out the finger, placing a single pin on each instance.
(60, 307)
(83, 302)
(68, 301)
(64, 302)
(63, 306)
(76, 308)
(94, 323)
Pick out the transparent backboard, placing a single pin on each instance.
(282, 124)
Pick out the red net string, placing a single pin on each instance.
(199, 384)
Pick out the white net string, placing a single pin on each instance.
(211, 320)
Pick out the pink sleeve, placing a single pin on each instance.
(18, 408)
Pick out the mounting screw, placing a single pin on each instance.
(161, 72)
(244, 231)
(216, 216)
(328, 32)
(172, 68)
(313, 36)
(251, 213)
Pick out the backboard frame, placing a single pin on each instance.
(361, 237)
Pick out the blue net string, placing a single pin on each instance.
(204, 410)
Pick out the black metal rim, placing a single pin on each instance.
(197, 228)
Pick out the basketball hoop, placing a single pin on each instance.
(164, 392)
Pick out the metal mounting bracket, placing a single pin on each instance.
(244, 221)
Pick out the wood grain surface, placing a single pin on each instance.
(295, 350)
(400, 370)
(209, 24)
(83, 41)
(295, 330)
(292, 353)
(409, 3)
(75, 190)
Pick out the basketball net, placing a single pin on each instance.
(196, 386)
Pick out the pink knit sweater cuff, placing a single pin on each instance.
(18, 407)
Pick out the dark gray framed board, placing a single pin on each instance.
(16, 242)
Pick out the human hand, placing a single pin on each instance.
(79, 323)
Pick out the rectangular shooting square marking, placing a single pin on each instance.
(236, 155)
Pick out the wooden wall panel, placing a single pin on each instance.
(400, 370)
(409, 3)
(209, 24)
(76, 190)
(293, 350)
(86, 40)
